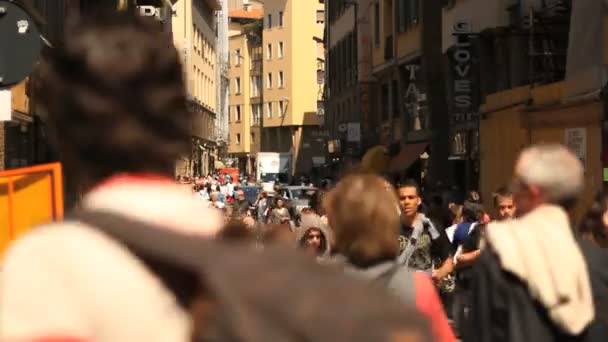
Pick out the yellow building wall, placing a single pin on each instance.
(241, 99)
(274, 65)
(582, 116)
(507, 130)
(298, 64)
(410, 42)
(304, 88)
(197, 51)
(502, 137)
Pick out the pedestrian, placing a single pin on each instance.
(313, 237)
(531, 281)
(503, 204)
(262, 206)
(280, 214)
(366, 225)
(114, 93)
(241, 203)
(424, 246)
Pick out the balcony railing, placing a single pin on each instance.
(388, 48)
(256, 66)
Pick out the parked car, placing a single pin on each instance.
(298, 196)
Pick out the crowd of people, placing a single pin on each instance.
(144, 260)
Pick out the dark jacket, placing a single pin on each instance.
(502, 309)
(597, 263)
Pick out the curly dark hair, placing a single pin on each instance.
(114, 92)
(592, 225)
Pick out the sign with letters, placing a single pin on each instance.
(576, 141)
(461, 65)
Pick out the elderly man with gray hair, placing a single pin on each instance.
(531, 281)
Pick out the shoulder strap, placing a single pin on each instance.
(399, 281)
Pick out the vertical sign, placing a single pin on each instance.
(576, 141)
(413, 98)
(462, 109)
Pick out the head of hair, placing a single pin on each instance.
(537, 166)
(592, 225)
(456, 212)
(364, 218)
(322, 246)
(473, 196)
(114, 93)
(316, 202)
(410, 183)
(502, 192)
(471, 211)
(235, 230)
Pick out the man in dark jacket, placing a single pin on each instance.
(531, 281)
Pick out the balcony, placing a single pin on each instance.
(256, 67)
(388, 48)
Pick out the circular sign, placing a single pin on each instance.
(19, 44)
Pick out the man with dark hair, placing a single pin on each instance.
(503, 203)
(424, 245)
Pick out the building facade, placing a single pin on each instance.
(349, 87)
(223, 84)
(246, 90)
(293, 82)
(195, 37)
(538, 83)
(408, 106)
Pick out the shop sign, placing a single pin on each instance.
(353, 132)
(576, 141)
(413, 99)
(458, 145)
(160, 13)
(462, 108)
(150, 11)
(411, 91)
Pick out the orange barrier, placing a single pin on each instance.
(28, 197)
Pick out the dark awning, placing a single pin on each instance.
(407, 156)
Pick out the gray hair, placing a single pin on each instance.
(553, 168)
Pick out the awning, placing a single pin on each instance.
(407, 156)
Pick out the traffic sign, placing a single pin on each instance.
(20, 44)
